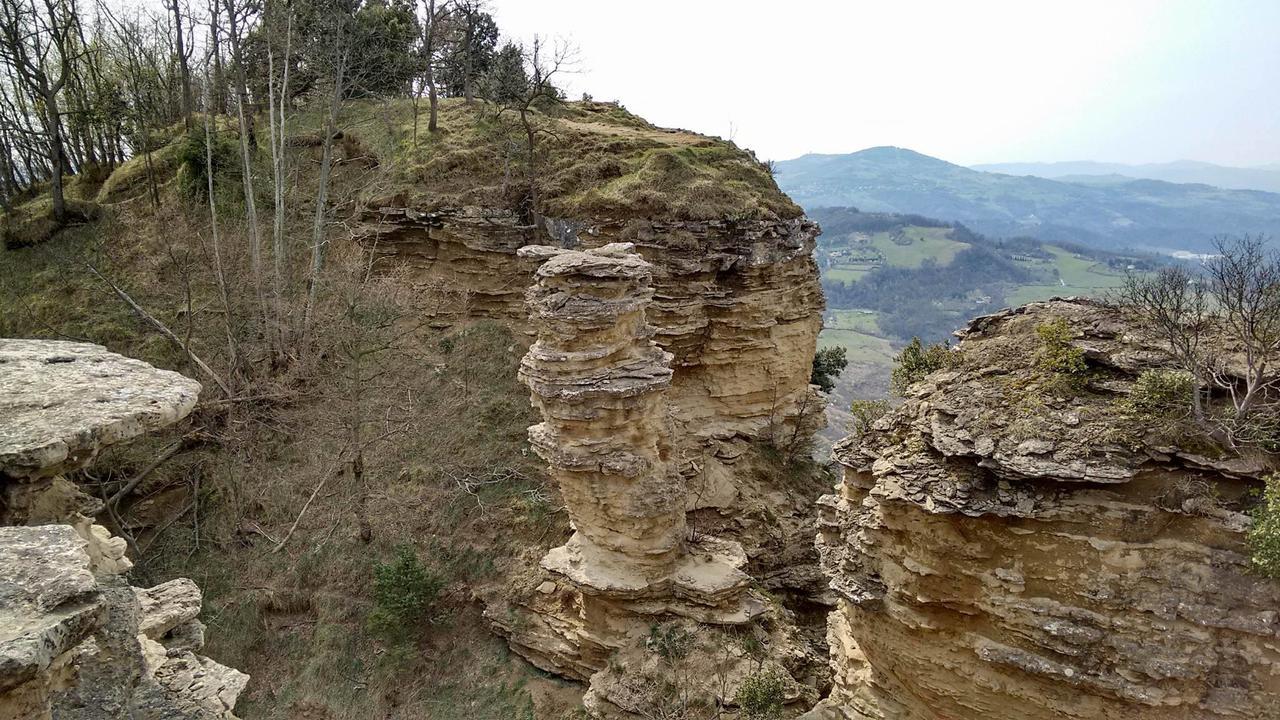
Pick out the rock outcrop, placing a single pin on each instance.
(76, 641)
(1005, 545)
(736, 303)
(76, 645)
(63, 402)
(601, 384)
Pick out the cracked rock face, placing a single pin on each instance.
(1004, 549)
(736, 303)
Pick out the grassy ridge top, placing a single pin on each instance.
(591, 159)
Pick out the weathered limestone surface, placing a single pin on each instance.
(64, 401)
(737, 303)
(1004, 549)
(76, 641)
(48, 606)
(601, 383)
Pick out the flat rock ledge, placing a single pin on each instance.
(77, 642)
(65, 401)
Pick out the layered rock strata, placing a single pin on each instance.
(601, 382)
(76, 641)
(76, 645)
(1009, 545)
(736, 303)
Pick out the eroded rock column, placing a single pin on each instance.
(601, 384)
(634, 603)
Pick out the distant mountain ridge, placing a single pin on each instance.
(1264, 177)
(1118, 213)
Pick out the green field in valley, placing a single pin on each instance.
(1078, 275)
(857, 254)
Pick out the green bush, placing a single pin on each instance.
(866, 412)
(761, 695)
(404, 591)
(1264, 536)
(918, 360)
(1057, 355)
(828, 362)
(671, 642)
(193, 161)
(1164, 393)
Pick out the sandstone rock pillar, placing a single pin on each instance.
(600, 383)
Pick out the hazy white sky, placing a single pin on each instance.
(969, 81)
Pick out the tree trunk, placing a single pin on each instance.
(322, 199)
(217, 103)
(277, 128)
(56, 160)
(246, 161)
(185, 76)
(467, 67)
(429, 51)
(232, 352)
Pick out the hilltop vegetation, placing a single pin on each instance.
(1141, 214)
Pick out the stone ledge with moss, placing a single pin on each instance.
(1021, 537)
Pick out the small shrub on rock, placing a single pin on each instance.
(671, 642)
(1057, 355)
(828, 363)
(1162, 393)
(918, 360)
(404, 591)
(1264, 536)
(761, 695)
(865, 413)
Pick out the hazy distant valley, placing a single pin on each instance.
(913, 246)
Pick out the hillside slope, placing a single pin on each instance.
(390, 440)
(1145, 214)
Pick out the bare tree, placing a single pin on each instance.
(338, 39)
(237, 15)
(431, 31)
(1245, 282)
(40, 45)
(538, 90)
(279, 101)
(1233, 311)
(184, 72)
(1176, 304)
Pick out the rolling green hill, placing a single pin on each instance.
(1126, 213)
